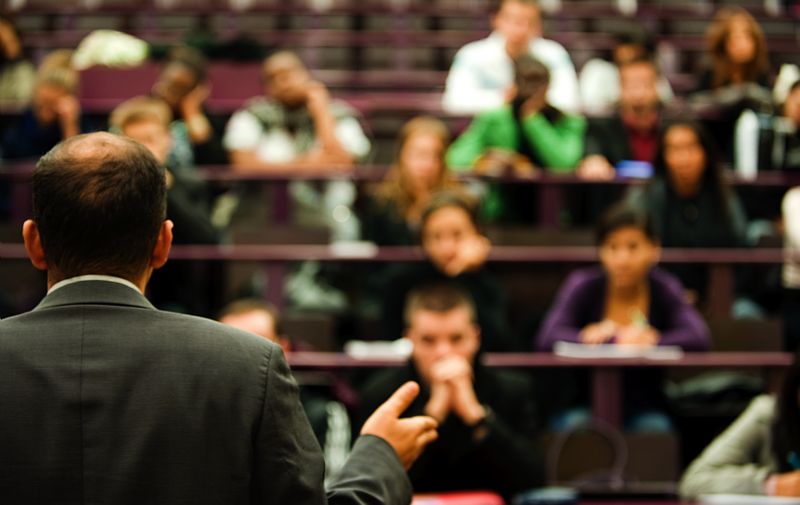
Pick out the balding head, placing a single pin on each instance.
(99, 202)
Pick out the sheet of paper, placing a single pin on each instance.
(743, 499)
(572, 350)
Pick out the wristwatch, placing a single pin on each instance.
(480, 428)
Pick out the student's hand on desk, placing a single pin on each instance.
(786, 484)
(409, 436)
(596, 168)
(598, 333)
(645, 336)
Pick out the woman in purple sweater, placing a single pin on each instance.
(626, 300)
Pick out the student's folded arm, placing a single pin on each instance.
(559, 145)
(468, 147)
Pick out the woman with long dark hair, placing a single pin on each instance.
(758, 454)
(736, 76)
(689, 201)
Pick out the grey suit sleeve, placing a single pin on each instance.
(372, 475)
(734, 462)
(289, 465)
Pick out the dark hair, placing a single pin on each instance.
(624, 215)
(99, 201)
(440, 298)
(636, 34)
(530, 75)
(713, 179)
(786, 423)
(450, 198)
(191, 59)
(248, 305)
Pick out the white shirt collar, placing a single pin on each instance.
(93, 277)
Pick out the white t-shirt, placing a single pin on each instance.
(482, 71)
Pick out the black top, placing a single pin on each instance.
(507, 460)
(383, 224)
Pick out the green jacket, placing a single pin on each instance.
(559, 146)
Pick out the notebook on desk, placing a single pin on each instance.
(660, 352)
(744, 499)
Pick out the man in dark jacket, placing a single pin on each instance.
(107, 400)
(486, 416)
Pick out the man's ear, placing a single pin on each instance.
(163, 245)
(33, 244)
(477, 332)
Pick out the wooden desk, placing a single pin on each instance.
(606, 373)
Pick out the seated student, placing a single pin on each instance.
(689, 201)
(482, 71)
(631, 133)
(528, 132)
(54, 115)
(393, 208)
(626, 300)
(454, 251)
(528, 125)
(486, 416)
(297, 126)
(183, 86)
(179, 286)
(328, 417)
(600, 80)
(758, 453)
(737, 74)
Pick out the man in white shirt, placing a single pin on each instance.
(296, 127)
(482, 71)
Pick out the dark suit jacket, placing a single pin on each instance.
(607, 136)
(106, 400)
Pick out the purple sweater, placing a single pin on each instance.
(581, 301)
